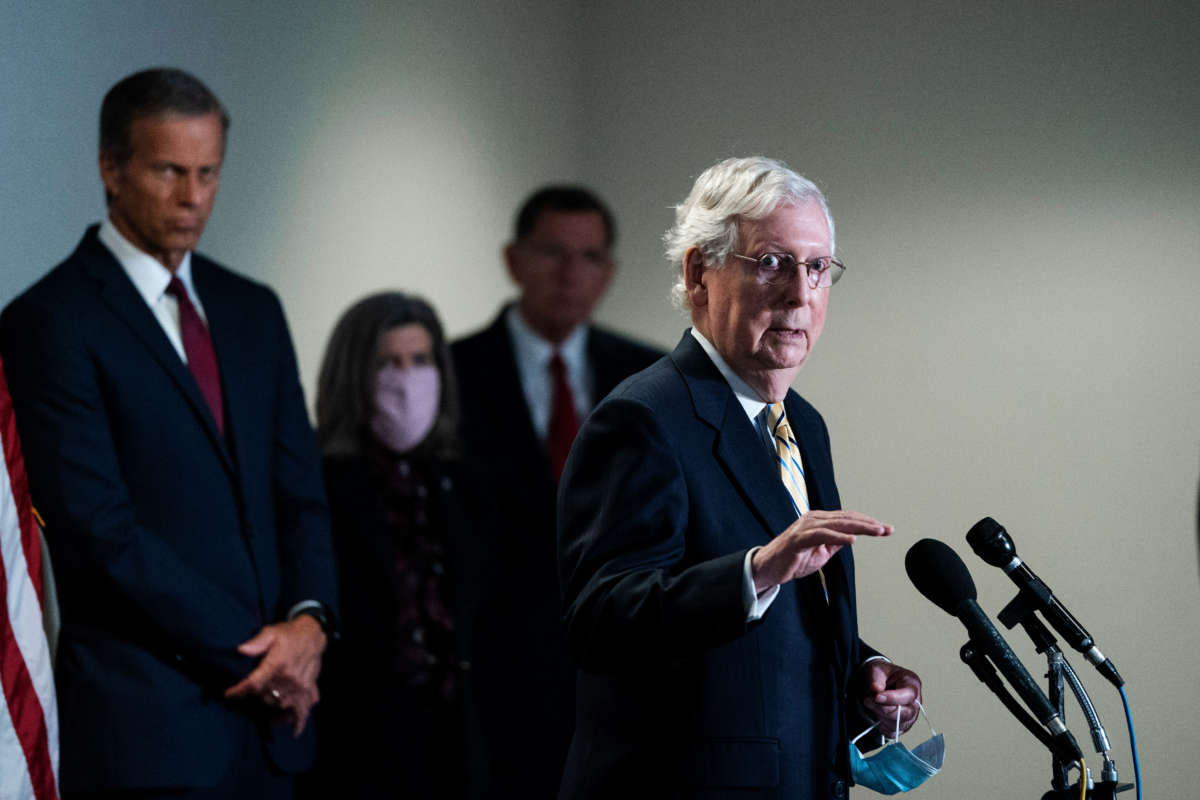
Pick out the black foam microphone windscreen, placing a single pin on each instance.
(939, 574)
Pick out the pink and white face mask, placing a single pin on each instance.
(406, 405)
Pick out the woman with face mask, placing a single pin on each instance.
(394, 713)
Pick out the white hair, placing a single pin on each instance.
(724, 195)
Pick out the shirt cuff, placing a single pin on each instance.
(295, 610)
(756, 604)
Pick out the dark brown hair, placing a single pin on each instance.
(150, 93)
(346, 385)
(568, 199)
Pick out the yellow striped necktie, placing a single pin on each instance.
(791, 466)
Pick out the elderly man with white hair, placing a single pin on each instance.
(703, 551)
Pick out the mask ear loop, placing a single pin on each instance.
(875, 724)
(928, 721)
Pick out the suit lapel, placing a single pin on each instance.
(739, 449)
(510, 419)
(233, 360)
(607, 371)
(818, 473)
(121, 296)
(745, 458)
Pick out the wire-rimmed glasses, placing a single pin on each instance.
(777, 268)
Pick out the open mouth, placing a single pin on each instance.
(789, 334)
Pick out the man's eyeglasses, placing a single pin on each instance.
(557, 254)
(777, 268)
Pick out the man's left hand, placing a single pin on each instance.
(286, 677)
(888, 689)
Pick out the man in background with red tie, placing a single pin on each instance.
(526, 382)
(170, 453)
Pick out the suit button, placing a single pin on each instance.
(838, 789)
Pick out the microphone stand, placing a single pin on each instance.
(1020, 611)
(975, 658)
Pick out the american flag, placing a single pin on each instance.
(28, 710)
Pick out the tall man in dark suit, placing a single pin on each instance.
(704, 557)
(170, 453)
(526, 382)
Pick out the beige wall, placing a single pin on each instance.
(1016, 192)
(1017, 195)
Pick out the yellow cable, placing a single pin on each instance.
(1082, 779)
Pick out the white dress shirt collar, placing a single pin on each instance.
(533, 353)
(749, 398)
(149, 276)
(533, 349)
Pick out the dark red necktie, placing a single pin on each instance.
(201, 358)
(564, 423)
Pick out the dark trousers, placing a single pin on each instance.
(251, 777)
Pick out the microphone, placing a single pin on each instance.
(992, 543)
(939, 574)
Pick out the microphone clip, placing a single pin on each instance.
(1029, 599)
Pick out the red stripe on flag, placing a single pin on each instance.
(30, 542)
(24, 707)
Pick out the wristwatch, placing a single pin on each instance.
(323, 618)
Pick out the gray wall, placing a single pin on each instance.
(1016, 189)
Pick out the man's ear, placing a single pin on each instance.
(512, 262)
(110, 173)
(694, 276)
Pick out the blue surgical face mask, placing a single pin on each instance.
(895, 768)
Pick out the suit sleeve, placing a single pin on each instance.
(75, 477)
(301, 512)
(632, 596)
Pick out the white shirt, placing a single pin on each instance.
(150, 278)
(533, 354)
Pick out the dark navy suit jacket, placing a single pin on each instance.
(666, 489)
(171, 544)
(524, 678)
